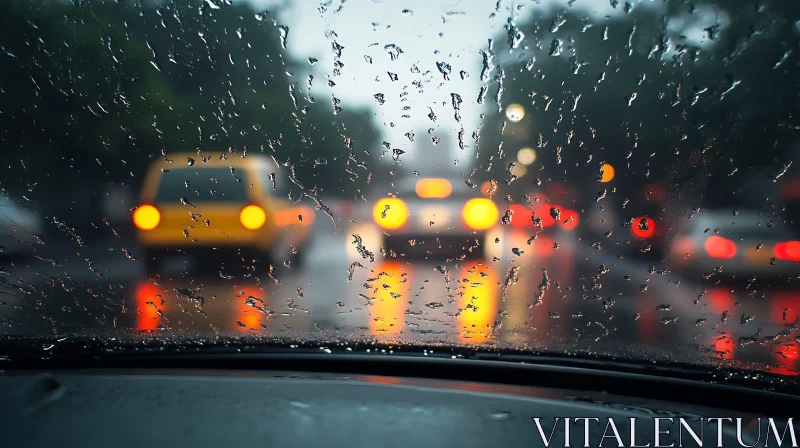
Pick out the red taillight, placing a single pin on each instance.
(569, 219)
(543, 246)
(543, 212)
(148, 303)
(788, 352)
(789, 250)
(301, 216)
(643, 227)
(521, 217)
(682, 247)
(719, 247)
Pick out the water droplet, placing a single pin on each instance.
(393, 50)
(456, 101)
(558, 21)
(482, 93)
(515, 36)
(555, 47)
(284, 34)
(488, 57)
(444, 69)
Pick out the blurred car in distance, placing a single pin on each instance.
(19, 228)
(746, 245)
(435, 216)
(535, 227)
(628, 231)
(193, 204)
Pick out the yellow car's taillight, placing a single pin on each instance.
(300, 216)
(146, 217)
(390, 213)
(480, 213)
(252, 217)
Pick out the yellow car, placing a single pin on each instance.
(216, 205)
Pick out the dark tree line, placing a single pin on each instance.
(636, 93)
(92, 91)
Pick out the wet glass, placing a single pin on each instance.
(561, 176)
(208, 184)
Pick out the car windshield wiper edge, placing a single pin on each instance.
(672, 381)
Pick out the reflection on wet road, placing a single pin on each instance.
(529, 294)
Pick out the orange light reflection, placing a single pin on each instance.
(387, 311)
(289, 216)
(250, 306)
(724, 346)
(478, 303)
(543, 246)
(148, 303)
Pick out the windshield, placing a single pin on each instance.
(206, 184)
(494, 175)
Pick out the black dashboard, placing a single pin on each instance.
(193, 406)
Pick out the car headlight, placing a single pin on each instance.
(480, 214)
(390, 213)
(252, 217)
(146, 217)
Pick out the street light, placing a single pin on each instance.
(515, 112)
(608, 173)
(526, 156)
(519, 170)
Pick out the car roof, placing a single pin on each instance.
(214, 160)
(179, 160)
(460, 187)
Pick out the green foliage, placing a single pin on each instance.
(698, 112)
(92, 91)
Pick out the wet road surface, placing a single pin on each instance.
(538, 295)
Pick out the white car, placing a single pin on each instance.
(434, 216)
(746, 245)
(19, 228)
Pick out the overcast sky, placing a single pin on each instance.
(428, 32)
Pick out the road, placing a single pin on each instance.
(539, 295)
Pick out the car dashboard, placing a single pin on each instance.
(356, 401)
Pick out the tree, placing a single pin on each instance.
(636, 92)
(92, 92)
